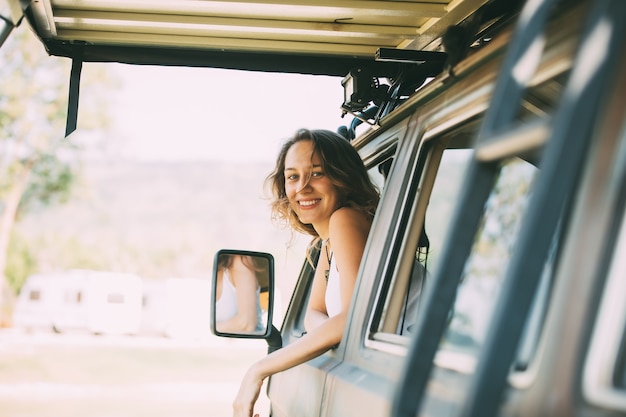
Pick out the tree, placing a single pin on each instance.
(37, 163)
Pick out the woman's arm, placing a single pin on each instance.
(309, 346)
(348, 235)
(245, 283)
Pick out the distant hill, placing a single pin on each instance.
(161, 220)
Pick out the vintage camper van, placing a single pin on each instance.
(522, 311)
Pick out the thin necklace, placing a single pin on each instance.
(329, 257)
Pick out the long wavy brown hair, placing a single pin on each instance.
(341, 164)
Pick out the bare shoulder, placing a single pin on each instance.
(348, 231)
(351, 218)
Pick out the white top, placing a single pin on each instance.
(226, 305)
(333, 291)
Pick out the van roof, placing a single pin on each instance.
(301, 36)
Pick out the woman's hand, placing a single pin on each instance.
(249, 390)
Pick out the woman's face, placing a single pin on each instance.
(310, 192)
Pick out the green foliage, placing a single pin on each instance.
(51, 181)
(61, 252)
(21, 263)
(38, 164)
(34, 93)
(32, 118)
(74, 254)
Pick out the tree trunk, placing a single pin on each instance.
(7, 220)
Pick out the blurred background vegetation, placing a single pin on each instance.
(75, 203)
(37, 165)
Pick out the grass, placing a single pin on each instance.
(51, 379)
(87, 365)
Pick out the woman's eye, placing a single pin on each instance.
(292, 177)
(317, 174)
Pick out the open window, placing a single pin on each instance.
(439, 174)
(378, 160)
(492, 249)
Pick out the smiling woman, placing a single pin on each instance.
(320, 187)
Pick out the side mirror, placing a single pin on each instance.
(242, 298)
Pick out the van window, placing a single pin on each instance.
(445, 189)
(441, 177)
(491, 252)
(378, 173)
(539, 308)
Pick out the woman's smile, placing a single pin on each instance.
(308, 203)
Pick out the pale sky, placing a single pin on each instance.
(167, 113)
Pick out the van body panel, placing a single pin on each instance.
(300, 390)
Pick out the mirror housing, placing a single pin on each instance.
(242, 296)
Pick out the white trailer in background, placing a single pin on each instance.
(94, 301)
(153, 312)
(114, 303)
(71, 312)
(39, 299)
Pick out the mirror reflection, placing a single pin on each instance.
(241, 286)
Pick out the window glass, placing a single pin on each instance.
(442, 199)
(440, 182)
(534, 322)
(376, 174)
(491, 252)
(445, 190)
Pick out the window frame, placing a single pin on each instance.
(417, 169)
(608, 337)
